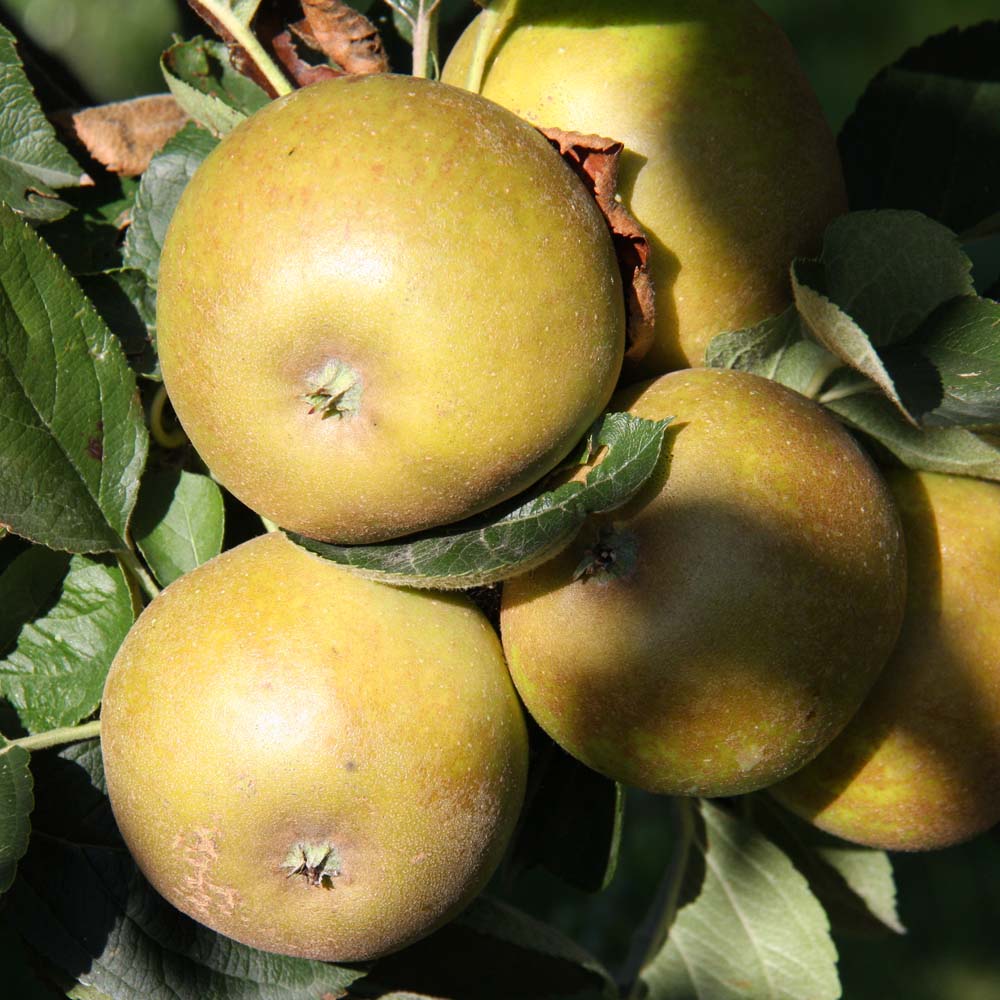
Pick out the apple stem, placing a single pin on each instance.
(57, 737)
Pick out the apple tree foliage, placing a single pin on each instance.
(894, 327)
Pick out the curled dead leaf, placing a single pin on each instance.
(345, 36)
(302, 72)
(595, 160)
(125, 136)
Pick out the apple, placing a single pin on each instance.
(713, 635)
(729, 163)
(309, 762)
(918, 768)
(386, 304)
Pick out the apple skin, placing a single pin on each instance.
(270, 699)
(918, 768)
(435, 245)
(766, 593)
(729, 163)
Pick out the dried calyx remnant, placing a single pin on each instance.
(335, 391)
(612, 555)
(318, 864)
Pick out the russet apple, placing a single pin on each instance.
(713, 635)
(386, 304)
(729, 163)
(918, 768)
(309, 762)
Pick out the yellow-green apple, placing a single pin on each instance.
(385, 304)
(729, 163)
(713, 635)
(309, 762)
(918, 768)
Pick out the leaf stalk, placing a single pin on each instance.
(246, 39)
(161, 435)
(131, 564)
(425, 38)
(856, 388)
(492, 19)
(59, 737)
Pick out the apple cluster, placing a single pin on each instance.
(387, 304)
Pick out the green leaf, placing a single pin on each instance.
(127, 303)
(32, 161)
(953, 450)
(879, 277)
(572, 821)
(962, 341)
(16, 801)
(854, 884)
(245, 9)
(888, 270)
(504, 923)
(178, 522)
(754, 930)
(202, 79)
(89, 912)
(159, 191)
(72, 436)
(85, 245)
(776, 349)
(493, 547)
(926, 133)
(27, 585)
(89, 239)
(633, 451)
(80, 992)
(501, 950)
(71, 800)
(404, 15)
(868, 876)
(55, 674)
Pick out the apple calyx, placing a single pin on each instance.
(335, 392)
(318, 864)
(612, 556)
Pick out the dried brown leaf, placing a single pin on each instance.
(125, 136)
(595, 160)
(345, 36)
(301, 72)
